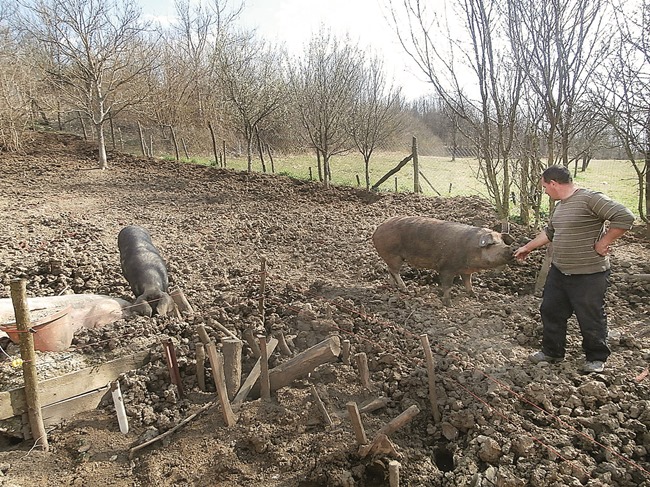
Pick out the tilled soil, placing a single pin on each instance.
(504, 421)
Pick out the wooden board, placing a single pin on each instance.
(55, 414)
(57, 389)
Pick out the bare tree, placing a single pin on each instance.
(558, 45)
(622, 94)
(16, 83)
(325, 83)
(252, 79)
(101, 54)
(375, 112)
(476, 49)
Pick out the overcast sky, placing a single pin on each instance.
(292, 22)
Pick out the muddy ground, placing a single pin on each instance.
(504, 421)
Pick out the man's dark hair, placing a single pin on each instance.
(559, 174)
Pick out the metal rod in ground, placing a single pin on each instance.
(364, 373)
(265, 383)
(357, 425)
(220, 383)
(431, 371)
(200, 365)
(172, 364)
(21, 311)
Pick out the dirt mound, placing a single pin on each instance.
(504, 421)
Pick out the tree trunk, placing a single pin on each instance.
(101, 144)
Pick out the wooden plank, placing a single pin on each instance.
(55, 414)
(12, 403)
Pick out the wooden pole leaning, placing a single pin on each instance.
(220, 383)
(21, 310)
(431, 372)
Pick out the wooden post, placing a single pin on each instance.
(265, 384)
(393, 473)
(21, 311)
(416, 167)
(282, 342)
(345, 352)
(200, 366)
(232, 348)
(181, 302)
(252, 342)
(203, 335)
(262, 285)
(431, 371)
(362, 365)
(172, 364)
(357, 425)
(220, 384)
(252, 376)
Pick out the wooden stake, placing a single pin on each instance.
(431, 371)
(172, 365)
(223, 329)
(357, 425)
(203, 335)
(252, 342)
(345, 352)
(231, 350)
(282, 342)
(393, 473)
(220, 383)
(23, 325)
(181, 302)
(252, 377)
(200, 365)
(321, 407)
(265, 385)
(362, 366)
(262, 285)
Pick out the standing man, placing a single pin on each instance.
(580, 268)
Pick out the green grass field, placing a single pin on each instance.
(615, 178)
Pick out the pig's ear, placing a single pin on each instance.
(486, 239)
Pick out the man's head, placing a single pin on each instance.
(559, 174)
(557, 182)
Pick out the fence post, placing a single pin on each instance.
(416, 167)
(21, 310)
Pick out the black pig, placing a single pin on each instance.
(145, 270)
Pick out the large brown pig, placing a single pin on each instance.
(448, 247)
